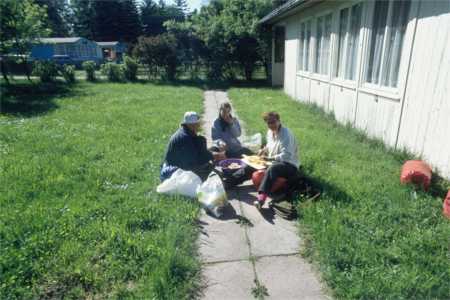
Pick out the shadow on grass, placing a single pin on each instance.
(27, 99)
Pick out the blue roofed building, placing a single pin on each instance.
(72, 50)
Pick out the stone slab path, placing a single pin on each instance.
(250, 254)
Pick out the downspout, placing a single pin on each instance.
(407, 75)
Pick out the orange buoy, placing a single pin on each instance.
(446, 205)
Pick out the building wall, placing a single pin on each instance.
(416, 115)
(42, 51)
(425, 123)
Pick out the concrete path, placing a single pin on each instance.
(250, 254)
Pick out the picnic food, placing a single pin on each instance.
(256, 160)
(234, 166)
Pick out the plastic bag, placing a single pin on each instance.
(211, 194)
(253, 142)
(181, 182)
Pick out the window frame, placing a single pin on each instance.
(335, 79)
(314, 43)
(307, 72)
(379, 89)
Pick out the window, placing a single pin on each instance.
(322, 54)
(348, 39)
(386, 41)
(279, 44)
(305, 36)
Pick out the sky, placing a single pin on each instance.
(193, 4)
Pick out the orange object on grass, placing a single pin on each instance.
(258, 176)
(446, 205)
(416, 172)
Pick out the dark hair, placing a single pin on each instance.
(271, 115)
(224, 105)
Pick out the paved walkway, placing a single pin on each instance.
(250, 254)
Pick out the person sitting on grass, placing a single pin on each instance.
(225, 132)
(187, 150)
(282, 149)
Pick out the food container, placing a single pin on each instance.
(228, 164)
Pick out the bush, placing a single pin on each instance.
(113, 72)
(130, 68)
(68, 72)
(46, 70)
(89, 66)
(161, 52)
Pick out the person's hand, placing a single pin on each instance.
(261, 152)
(219, 156)
(228, 118)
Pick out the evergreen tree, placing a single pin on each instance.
(58, 12)
(182, 6)
(130, 24)
(83, 18)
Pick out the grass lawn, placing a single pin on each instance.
(372, 237)
(79, 216)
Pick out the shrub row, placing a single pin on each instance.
(48, 70)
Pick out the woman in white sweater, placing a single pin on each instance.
(282, 149)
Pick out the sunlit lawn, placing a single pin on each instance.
(372, 237)
(79, 216)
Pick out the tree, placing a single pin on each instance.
(59, 16)
(230, 30)
(22, 24)
(182, 6)
(130, 24)
(159, 51)
(83, 18)
(154, 15)
(116, 20)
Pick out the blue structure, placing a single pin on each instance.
(74, 50)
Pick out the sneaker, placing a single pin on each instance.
(258, 204)
(260, 201)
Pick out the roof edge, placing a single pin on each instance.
(283, 10)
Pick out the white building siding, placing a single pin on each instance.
(290, 57)
(425, 124)
(416, 115)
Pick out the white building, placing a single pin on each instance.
(382, 66)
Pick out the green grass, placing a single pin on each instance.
(372, 237)
(79, 214)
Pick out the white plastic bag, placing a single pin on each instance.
(180, 183)
(252, 142)
(211, 194)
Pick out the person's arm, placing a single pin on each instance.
(287, 148)
(216, 132)
(204, 154)
(235, 128)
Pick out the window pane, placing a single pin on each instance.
(352, 48)
(307, 43)
(279, 44)
(326, 44)
(376, 43)
(343, 20)
(319, 34)
(396, 32)
(301, 47)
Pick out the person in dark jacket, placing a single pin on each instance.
(188, 151)
(226, 129)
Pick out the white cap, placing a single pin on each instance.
(190, 117)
